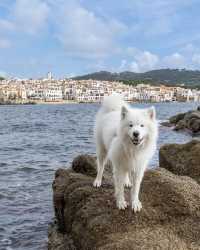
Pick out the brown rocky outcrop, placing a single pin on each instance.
(189, 120)
(87, 218)
(181, 159)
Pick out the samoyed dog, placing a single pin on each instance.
(127, 138)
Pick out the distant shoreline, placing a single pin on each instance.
(33, 102)
(57, 103)
(66, 102)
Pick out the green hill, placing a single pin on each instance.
(171, 77)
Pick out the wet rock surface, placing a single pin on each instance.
(87, 218)
(189, 121)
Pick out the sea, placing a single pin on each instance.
(35, 141)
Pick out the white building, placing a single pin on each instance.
(53, 93)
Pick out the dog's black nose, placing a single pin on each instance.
(136, 134)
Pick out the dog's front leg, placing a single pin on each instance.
(100, 169)
(127, 181)
(137, 177)
(119, 177)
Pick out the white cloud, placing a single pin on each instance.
(158, 17)
(4, 43)
(30, 16)
(84, 34)
(196, 59)
(26, 16)
(142, 60)
(97, 39)
(188, 49)
(146, 61)
(123, 65)
(6, 25)
(134, 67)
(175, 60)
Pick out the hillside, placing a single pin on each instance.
(189, 78)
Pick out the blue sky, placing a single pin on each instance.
(71, 37)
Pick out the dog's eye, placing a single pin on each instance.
(142, 125)
(130, 125)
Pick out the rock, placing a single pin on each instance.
(194, 125)
(192, 121)
(192, 114)
(59, 241)
(181, 159)
(198, 108)
(166, 124)
(59, 186)
(176, 118)
(169, 218)
(180, 125)
(189, 121)
(85, 164)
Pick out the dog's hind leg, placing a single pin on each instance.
(101, 160)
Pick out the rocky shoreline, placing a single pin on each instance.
(86, 218)
(189, 121)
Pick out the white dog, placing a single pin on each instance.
(127, 137)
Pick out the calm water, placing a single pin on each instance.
(34, 142)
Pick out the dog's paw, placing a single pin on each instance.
(122, 205)
(97, 183)
(136, 206)
(127, 183)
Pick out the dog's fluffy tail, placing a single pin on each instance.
(112, 103)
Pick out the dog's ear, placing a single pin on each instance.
(151, 113)
(124, 112)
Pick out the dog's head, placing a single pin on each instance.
(138, 125)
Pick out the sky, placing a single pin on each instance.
(74, 37)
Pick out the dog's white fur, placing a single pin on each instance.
(115, 129)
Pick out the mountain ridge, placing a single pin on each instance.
(188, 78)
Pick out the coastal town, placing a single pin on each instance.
(50, 90)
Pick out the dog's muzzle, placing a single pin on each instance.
(136, 141)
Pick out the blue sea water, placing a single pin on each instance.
(36, 140)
